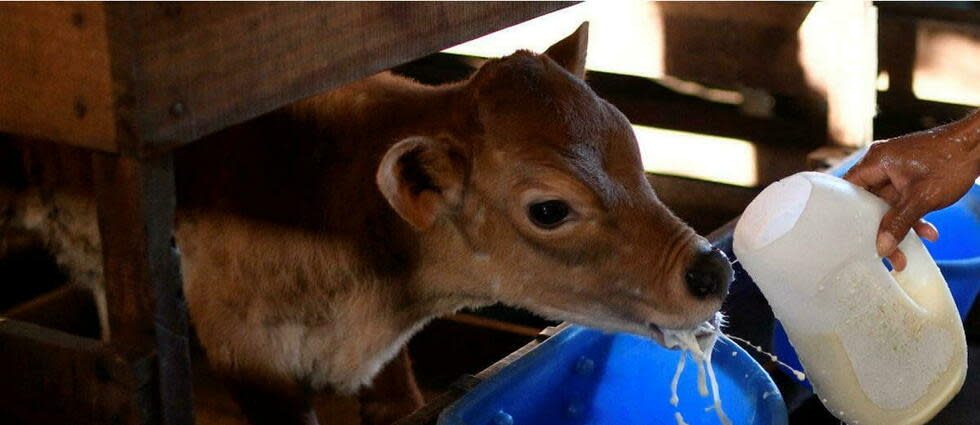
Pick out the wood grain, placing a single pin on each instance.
(136, 202)
(69, 308)
(823, 54)
(205, 66)
(54, 73)
(144, 77)
(80, 380)
(736, 44)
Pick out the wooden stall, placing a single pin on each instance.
(133, 81)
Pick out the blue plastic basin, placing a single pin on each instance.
(585, 376)
(957, 252)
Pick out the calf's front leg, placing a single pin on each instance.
(268, 403)
(393, 394)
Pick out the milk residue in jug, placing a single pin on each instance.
(879, 347)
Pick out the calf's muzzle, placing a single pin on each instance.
(709, 274)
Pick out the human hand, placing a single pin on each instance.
(916, 174)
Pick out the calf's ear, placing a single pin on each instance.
(570, 52)
(422, 179)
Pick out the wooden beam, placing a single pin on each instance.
(54, 77)
(824, 54)
(949, 12)
(80, 380)
(70, 308)
(249, 58)
(736, 44)
(702, 205)
(497, 325)
(897, 40)
(136, 203)
(141, 78)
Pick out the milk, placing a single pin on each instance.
(700, 350)
(879, 347)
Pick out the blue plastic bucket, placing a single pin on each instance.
(584, 376)
(957, 252)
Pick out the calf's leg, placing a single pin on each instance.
(393, 394)
(268, 403)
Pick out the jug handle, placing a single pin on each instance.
(920, 272)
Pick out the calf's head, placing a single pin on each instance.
(538, 197)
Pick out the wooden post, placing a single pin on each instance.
(898, 39)
(840, 50)
(136, 203)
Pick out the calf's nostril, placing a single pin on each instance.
(701, 284)
(709, 274)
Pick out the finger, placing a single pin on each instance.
(889, 194)
(867, 173)
(926, 230)
(898, 260)
(897, 222)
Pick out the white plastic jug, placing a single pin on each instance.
(879, 347)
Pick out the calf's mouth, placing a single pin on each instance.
(703, 335)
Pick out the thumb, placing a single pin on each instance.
(897, 222)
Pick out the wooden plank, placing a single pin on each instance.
(918, 114)
(822, 54)
(54, 73)
(897, 43)
(70, 308)
(946, 67)
(204, 66)
(136, 202)
(702, 205)
(749, 44)
(51, 377)
(140, 78)
(927, 55)
(950, 12)
(497, 325)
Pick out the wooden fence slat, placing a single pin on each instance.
(77, 378)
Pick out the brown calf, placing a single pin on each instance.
(318, 238)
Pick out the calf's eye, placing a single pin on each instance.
(548, 214)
